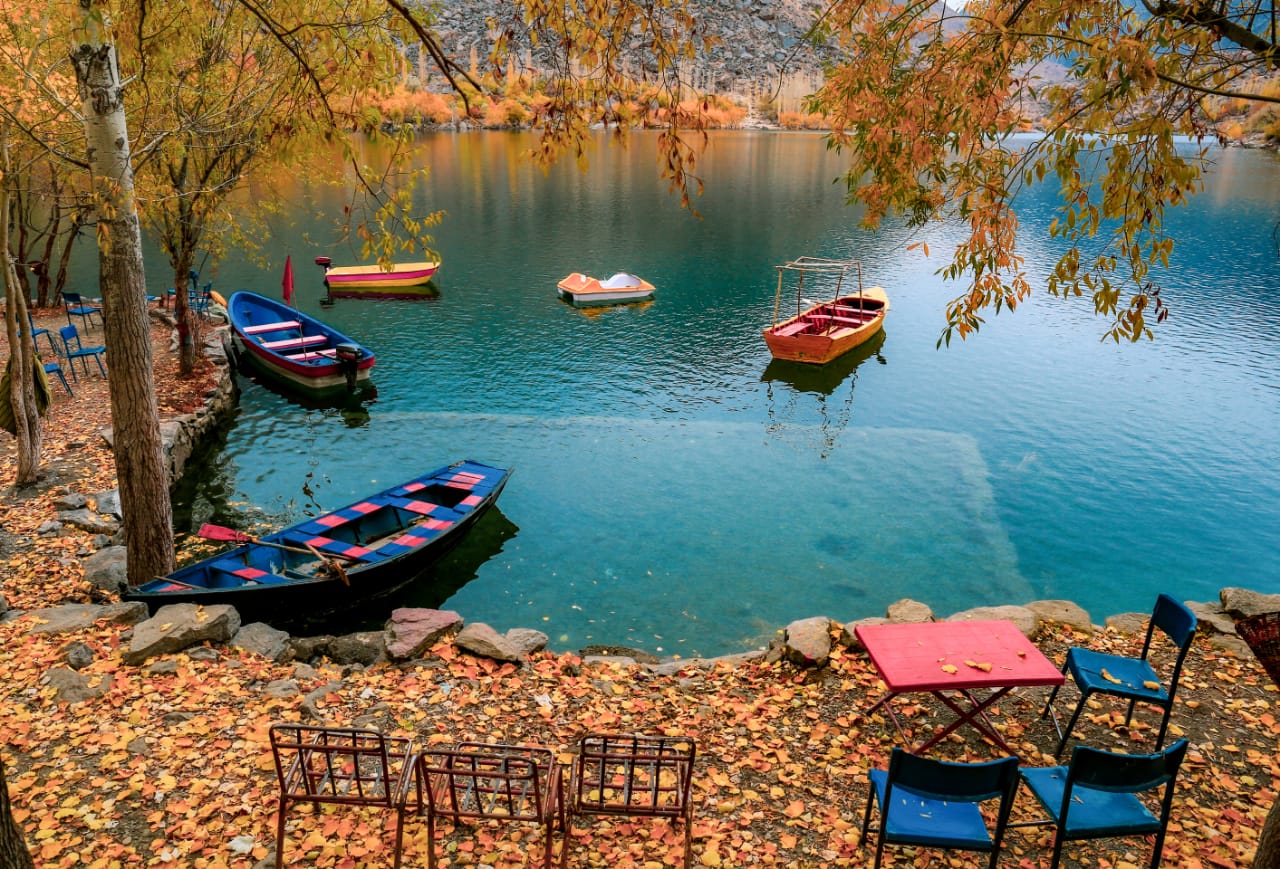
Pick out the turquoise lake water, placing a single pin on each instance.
(676, 490)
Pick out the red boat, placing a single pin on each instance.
(824, 331)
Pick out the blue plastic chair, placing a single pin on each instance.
(1096, 796)
(55, 368)
(1131, 678)
(935, 803)
(78, 307)
(75, 350)
(37, 331)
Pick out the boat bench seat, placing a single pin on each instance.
(292, 343)
(307, 355)
(851, 321)
(792, 328)
(272, 327)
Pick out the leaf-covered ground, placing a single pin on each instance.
(173, 768)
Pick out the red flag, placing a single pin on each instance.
(288, 280)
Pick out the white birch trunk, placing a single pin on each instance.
(140, 467)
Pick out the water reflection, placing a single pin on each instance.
(352, 407)
(439, 582)
(791, 414)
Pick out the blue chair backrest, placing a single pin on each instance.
(1125, 773)
(956, 782)
(70, 298)
(1173, 617)
(70, 336)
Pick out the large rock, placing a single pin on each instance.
(1242, 603)
(527, 641)
(108, 503)
(1211, 618)
(107, 569)
(262, 639)
(807, 642)
(72, 617)
(87, 520)
(73, 687)
(309, 648)
(1064, 612)
(363, 647)
(1024, 618)
(909, 611)
(848, 631)
(178, 626)
(1128, 623)
(78, 655)
(412, 631)
(480, 639)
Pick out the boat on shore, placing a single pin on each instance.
(342, 559)
(401, 281)
(294, 349)
(823, 331)
(623, 288)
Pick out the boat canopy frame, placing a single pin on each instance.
(806, 265)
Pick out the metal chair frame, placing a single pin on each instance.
(70, 336)
(74, 304)
(1105, 785)
(476, 781)
(636, 776)
(344, 766)
(934, 788)
(1173, 619)
(55, 368)
(37, 331)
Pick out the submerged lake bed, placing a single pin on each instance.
(677, 490)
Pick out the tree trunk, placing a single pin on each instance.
(22, 358)
(135, 416)
(13, 850)
(183, 284)
(1268, 853)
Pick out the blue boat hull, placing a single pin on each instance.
(382, 543)
(294, 349)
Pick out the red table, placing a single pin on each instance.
(911, 658)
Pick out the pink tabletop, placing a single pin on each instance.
(912, 657)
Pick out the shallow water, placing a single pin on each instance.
(677, 490)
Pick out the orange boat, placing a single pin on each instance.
(825, 331)
(621, 289)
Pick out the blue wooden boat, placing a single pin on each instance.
(339, 560)
(295, 349)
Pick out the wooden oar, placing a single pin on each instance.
(231, 535)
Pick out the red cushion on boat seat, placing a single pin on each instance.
(308, 355)
(289, 343)
(792, 328)
(271, 327)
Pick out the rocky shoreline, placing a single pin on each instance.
(411, 634)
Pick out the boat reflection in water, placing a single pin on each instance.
(352, 407)
(439, 582)
(791, 414)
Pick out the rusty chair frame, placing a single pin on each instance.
(636, 776)
(345, 766)
(480, 781)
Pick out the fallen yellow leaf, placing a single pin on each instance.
(1110, 678)
(948, 668)
(1154, 686)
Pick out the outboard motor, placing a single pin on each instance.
(349, 356)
